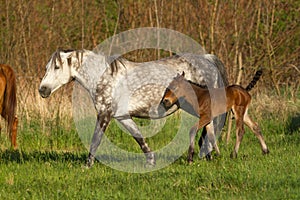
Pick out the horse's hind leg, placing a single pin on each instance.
(210, 142)
(130, 125)
(201, 142)
(193, 132)
(257, 131)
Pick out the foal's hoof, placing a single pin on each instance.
(266, 151)
(208, 157)
(233, 155)
(190, 161)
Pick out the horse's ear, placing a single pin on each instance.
(183, 73)
(67, 54)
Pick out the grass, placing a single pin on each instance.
(51, 166)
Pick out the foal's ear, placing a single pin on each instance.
(182, 74)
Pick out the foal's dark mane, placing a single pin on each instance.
(201, 86)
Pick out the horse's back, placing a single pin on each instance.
(2, 87)
(144, 83)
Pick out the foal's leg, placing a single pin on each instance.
(131, 126)
(212, 137)
(239, 114)
(257, 131)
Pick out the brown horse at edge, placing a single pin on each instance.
(237, 100)
(8, 101)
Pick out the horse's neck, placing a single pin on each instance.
(90, 69)
(98, 78)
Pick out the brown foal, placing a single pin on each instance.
(182, 92)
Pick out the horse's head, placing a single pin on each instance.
(174, 91)
(59, 71)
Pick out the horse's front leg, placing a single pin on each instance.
(14, 133)
(101, 124)
(130, 125)
(204, 120)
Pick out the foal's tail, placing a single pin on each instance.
(10, 100)
(254, 80)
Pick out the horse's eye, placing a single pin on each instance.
(56, 67)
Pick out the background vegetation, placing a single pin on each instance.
(245, 35)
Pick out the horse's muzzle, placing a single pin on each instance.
(167, 103)
(44, 91)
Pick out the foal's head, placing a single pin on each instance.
(174, 91)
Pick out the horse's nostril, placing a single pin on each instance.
(42, 89)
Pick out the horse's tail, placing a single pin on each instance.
(254, 80)
(9, 99)
(218, 63)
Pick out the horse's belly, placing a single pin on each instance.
(143, 102)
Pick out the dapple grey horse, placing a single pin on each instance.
(109, 80)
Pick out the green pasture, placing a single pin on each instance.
(49, 164)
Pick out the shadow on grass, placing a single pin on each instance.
(19, 156)
(293, 124)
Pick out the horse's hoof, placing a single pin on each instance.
(149, 165)
(150, 159)
(90, 161)
(88, 165)
(208, 157)
(201, 155)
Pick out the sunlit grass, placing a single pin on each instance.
(51, 166)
